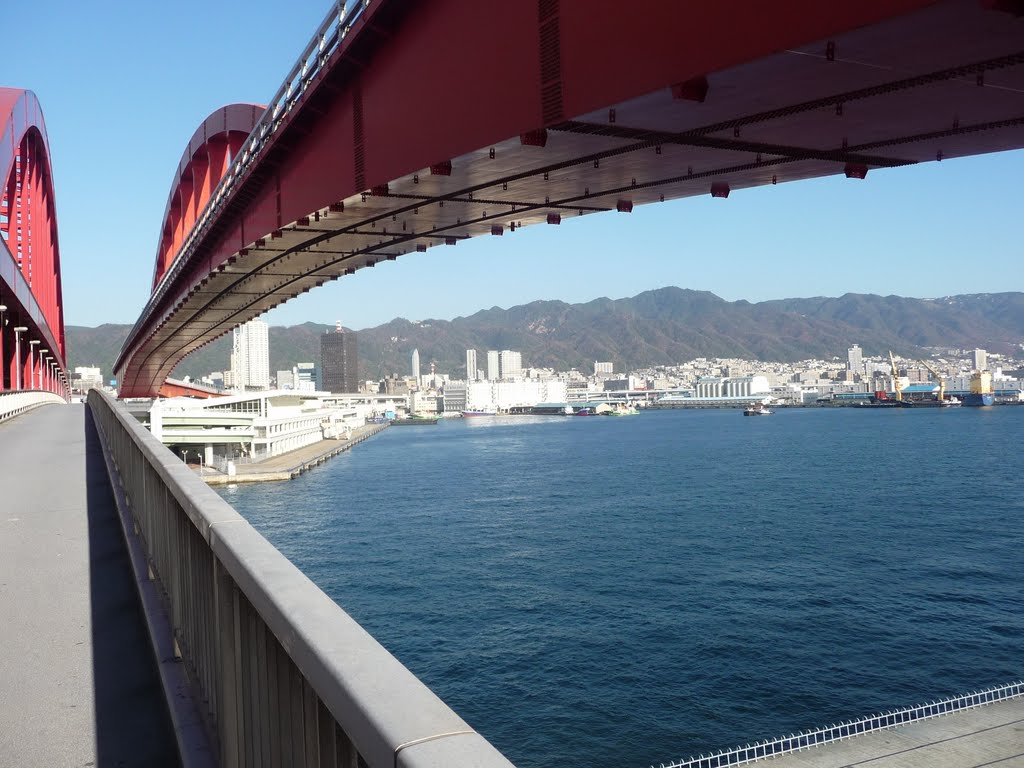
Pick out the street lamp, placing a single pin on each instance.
(41, 353)
(32, 365)
(17, 355)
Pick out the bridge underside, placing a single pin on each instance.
(346, 186)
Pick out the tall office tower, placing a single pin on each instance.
(339, 361)
(979, 359)
(470, 364)
(250, 359)
(416, 365)
(493, 369)
(854, 360)
(510, 363)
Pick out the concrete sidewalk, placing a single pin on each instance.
(78, 682)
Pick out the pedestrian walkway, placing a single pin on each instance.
(992, 735)
(78, 681)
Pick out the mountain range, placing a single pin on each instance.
(660, 327)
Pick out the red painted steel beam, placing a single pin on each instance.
(30, 284)
(433, 122)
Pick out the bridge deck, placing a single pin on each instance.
(77, 673)
(991, 735)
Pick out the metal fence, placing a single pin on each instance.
(14, 403)
(283, 675)
(819, 736)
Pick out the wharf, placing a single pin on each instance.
(292, 464)
(990, 735)
(79, 678)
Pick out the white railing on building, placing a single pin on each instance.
(806, 739)
(283, 676)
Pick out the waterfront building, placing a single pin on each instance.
(504, 395)
(339, 361)
(855, 360)
(454, 396)
(250, 359)
(603, 369)
(493, 367)
(470, 365)
(251, 425)
(979, 359)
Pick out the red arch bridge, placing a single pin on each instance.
(405, 126)
(31, 305)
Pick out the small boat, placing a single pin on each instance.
(757, 409)
(584, 412)
(482, 412)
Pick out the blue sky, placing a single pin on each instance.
(124, 84)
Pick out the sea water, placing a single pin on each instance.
(625, 591)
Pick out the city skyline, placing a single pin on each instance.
(820, 237)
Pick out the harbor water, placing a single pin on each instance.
(627, 591)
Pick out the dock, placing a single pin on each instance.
(292, 464)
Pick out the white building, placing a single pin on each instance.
(90, 378)
(503, 395)
(855, 360)
(493, 367)
(979, 359)
(251, 426)
(250, 359)
(603, 369)
(416, 365)
(470, 365)
(510, 364)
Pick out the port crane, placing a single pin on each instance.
(897, 385)
(941, 379)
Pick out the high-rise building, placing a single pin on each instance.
(470, 365)
(510, 364)
(339, 363)
(601, 369)
(979, 359)
(416, 365)
(854, 360)
(250, 357)
(493, 367)
(306, 377)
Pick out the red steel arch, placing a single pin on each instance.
(30, 284)
(203, 163)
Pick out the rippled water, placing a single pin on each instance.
(626, 591)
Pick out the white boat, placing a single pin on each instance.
(757, 409)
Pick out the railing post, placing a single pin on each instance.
(227, 667)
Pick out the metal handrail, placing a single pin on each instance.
(329, 35)
(284, 675)
(845, 730)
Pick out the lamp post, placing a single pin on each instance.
(41, 353)
(17, 355)
(31, 363)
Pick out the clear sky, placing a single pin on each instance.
(123, 85)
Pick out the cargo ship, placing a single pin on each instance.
(981, 390)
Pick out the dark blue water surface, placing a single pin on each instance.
(626, 591)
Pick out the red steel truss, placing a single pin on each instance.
(32, 353)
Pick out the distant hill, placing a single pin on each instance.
(664, 326)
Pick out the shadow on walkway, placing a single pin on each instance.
(133, 727)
